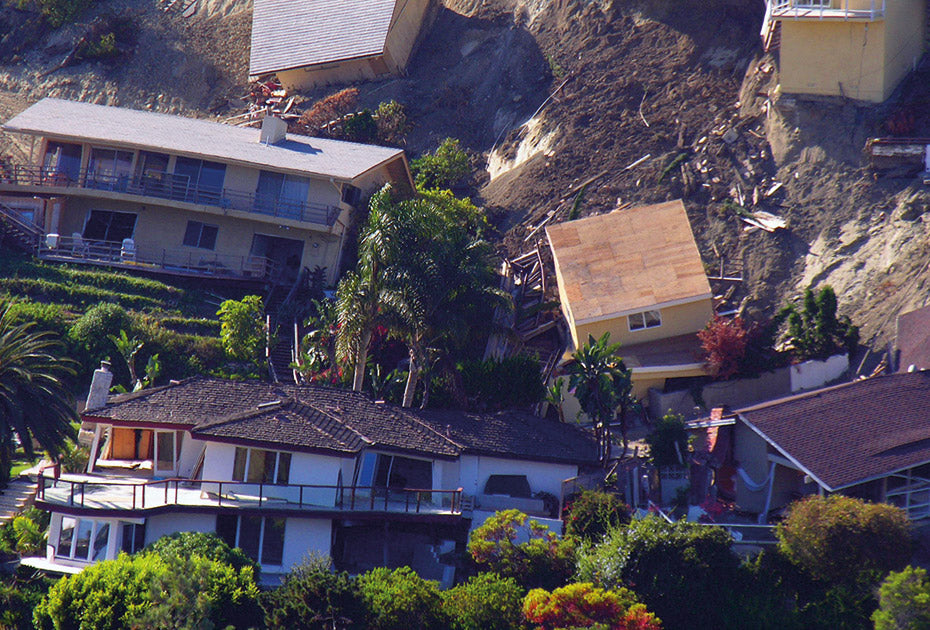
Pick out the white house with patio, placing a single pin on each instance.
(282, 471)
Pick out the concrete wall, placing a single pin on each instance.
(190, 455)
(814, 374)
(545, 477)
(863, 60)
(751, 453)
(676, 320)
(408, 20)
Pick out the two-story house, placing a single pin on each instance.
(149, 191)
(637, 274)
(283, 471)
(858, 49)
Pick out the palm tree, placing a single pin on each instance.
(603, 386)
(34, 402)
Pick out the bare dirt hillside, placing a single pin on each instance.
(551, 94)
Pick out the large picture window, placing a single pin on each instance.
(106, 225)
(282, 195)
(205, 179)
(255, 465)
(262, 539)
(83, 539)
(646, 319)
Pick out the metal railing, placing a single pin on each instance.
(798, 9)
(174, 187)
(147, 495)
(153, 258)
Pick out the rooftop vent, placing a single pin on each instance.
(273, 130)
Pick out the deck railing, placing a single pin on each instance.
(152, 258)
(174, 187)
(146, 495)
(798, 9)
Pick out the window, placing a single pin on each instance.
(152, 174)
(351, 194)
(109, 169)
(204, 179)
(165, 450)
(392, 471)
(106, 225)
(200, 235)
(262, 539)
(646, 319)
(255, 465)
(133, 537)
(63, 160)
(282, 195)
(81, 539)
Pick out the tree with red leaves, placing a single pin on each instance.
(725, 342)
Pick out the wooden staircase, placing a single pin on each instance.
(19, 232)
(18, 494)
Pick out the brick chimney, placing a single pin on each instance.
(99, 387)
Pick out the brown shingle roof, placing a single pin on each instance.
(913, 342)
(342, 421)
(628, 260)
(850, 433)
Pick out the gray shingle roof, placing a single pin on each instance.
(296, 33)
(853, 432)
(342, 421)
(198, 138)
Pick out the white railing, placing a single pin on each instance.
(814, 9)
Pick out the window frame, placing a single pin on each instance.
(242, 473)
(644, 324)
(199, 239)
(261, 543)
(92, 552)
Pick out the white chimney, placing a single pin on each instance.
(273, 129)
(99, 387)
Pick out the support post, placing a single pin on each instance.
(93, 448)
(768, 496)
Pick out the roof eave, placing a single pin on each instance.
(786, 454)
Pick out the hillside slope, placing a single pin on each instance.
(684, 83)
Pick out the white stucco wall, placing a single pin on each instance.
(303, 536)
(545, 477)
(189, 456)
(164, 524)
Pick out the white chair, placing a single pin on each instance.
(78, 246)
(52, 240)
(128, 250)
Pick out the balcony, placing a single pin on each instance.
(146, 257)
(114, 495)
(174, 188)
(825, 10)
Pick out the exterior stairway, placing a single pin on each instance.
(15, 497)
(20, 233)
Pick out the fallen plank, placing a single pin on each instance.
(638, 162)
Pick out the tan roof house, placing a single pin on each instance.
(148, 191)
(859, 49)
(637, 274)
(316, 42)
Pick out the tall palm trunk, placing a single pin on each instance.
(361, 361)
(413, 377)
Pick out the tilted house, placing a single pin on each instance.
(868, 439)
(142, 190)
(858, 49)
(283, 471)
(307, 43)
(637, 274)
(912, 341)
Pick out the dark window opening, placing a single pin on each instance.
(106, 225)
(200, 235)
(509, 485)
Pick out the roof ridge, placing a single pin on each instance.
(142, 393)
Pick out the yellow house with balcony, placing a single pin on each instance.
(166, 194)
(637, 274)
(859, 49)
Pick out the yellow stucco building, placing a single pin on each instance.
(637, 274)
(859, 49)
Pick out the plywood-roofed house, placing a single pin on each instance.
(317, 42)
(637, 274)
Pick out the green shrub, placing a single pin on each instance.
(668, 441)
(210, 546)
(46, 316)
(392, 123)
(61, 12)
(503, 384)
(242, 328)
(20, 593)
(103, 47)
(593, 513)
(682, 571)
(542, 561)
(152, 591)
(89, 335)
(446, 167)
(312, 596)
(904, 601)
(191, 325)
(485, 602)
(401, 600)
(360, 127)
(846, 541)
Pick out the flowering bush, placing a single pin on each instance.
(543, 560)
(592, 514)
(584, 606)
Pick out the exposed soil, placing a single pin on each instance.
(682, 81)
